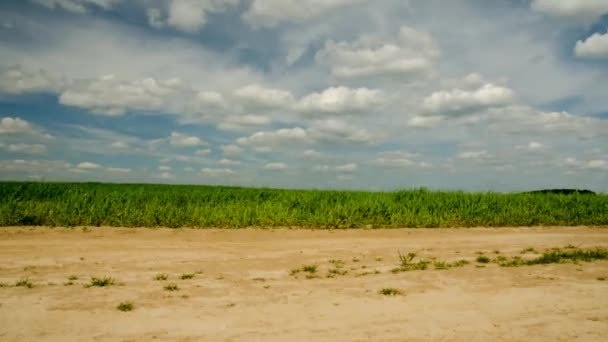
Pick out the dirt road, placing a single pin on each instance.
(242, 289)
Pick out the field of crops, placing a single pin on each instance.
(63, 204)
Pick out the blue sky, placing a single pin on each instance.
(502, 95)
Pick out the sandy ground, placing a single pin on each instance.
(243, 290)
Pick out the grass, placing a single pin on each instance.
(24, 282)
(161, 276)
(529, 250)
(138, 205)
(558, 256)
(407, 263)
(443, 265)
(73, 277)
(482, 259)
(389, 291)
(125, 306)
(187, 276)
(171, 287)
(101, 282)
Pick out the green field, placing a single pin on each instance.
(93, 204)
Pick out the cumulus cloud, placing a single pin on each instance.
(19, 80)
(399, 159)
(270, 13)
(276, 166)
(352, 167)
(244, 122)
(258, 95)
(118, 170)
(10, 125)
(231, 150)
(532, 146)
(228, 162)
(88, 166)
(586, 10)
(182, 140)
(216, 172)
(119, 145)
(594, 47)
(474, 155)
(203, 152)
(111, 96)
(461, 102)
(191, 15)
(25, 148)
(425, 121)
(273, 138)
(76, 6)
(341, 99)
(412, 54)
(164, 168)
(335, 131)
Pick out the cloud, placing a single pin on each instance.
(191, 15)
(25, 148)
(532, 146)
(336, 131)
(273, 138)
(110, 96)
(217, 172)
(586, 10)
(182, 140)
(164, 168)
(276, 166)
(120, 145)
(19, 80)
(312, 154)
(258, 95)
(594, 47)
(341, 100)
(229, 162)
(399, 159)
(76, 6)
(352, 167)
(10, 125)
(203, 152)
(412, 54)
(231, 150)
(474, 155)
(269, 13)
(88, 166)
(461, 102)
(244, 122)
(425, 121)
(118, 170)
(594, 164)
(166, 175)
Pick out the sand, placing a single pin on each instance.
(242, 290)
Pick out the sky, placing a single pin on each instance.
(478, 95)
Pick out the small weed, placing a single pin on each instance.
(336, 271)
(378, 259)
(389, 291)
(4, 285)
(336, 262)
(161, 276)
(295, 271)
(601, 278)
(310, 268)
(187, 276)
(480, 266)
(101, 282)
(125, 306)
(482, 259)
(312, 276)
(529, 250)
(73, 277)
(24, 282)
(68, 283)
(496, 251)
(171, 287)
(356, 259)
(407, 263)
(443, 265)
(259, 279)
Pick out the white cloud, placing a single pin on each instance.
(474, 155)
(18, 80)
(586, 10)
(182, 140)
(231, 150)
(191, 15)
(76, 6)
(597, 164)
(164, 168)
(184, 159)
(594, 164)
(399, 159)
(461, 102)
(166, 175)
(413, 54)
(155, 18)
(110, 96)
(118, 170)
(244, 122)
(594, 47)
(211, 172)
(276, 166)
(274, 12)
(26, 148)
(335, 131)
(532, 146)
(425, 121)
(352, 167)
(312, 154)
(258, 95)
(15, 125)
(203, 152)
(341, 99)
(229, 162)
(88, 166)
(272, 138)
(120, 145)
(321, 168)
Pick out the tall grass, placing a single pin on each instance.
(94, 204)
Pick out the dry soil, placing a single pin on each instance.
(242, 289)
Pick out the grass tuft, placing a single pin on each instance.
(125, 306)
(482, 259)
(171, 287)
(187, 276)
(101, 282)
(24, 282)
(389, 291)
(161, 276)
